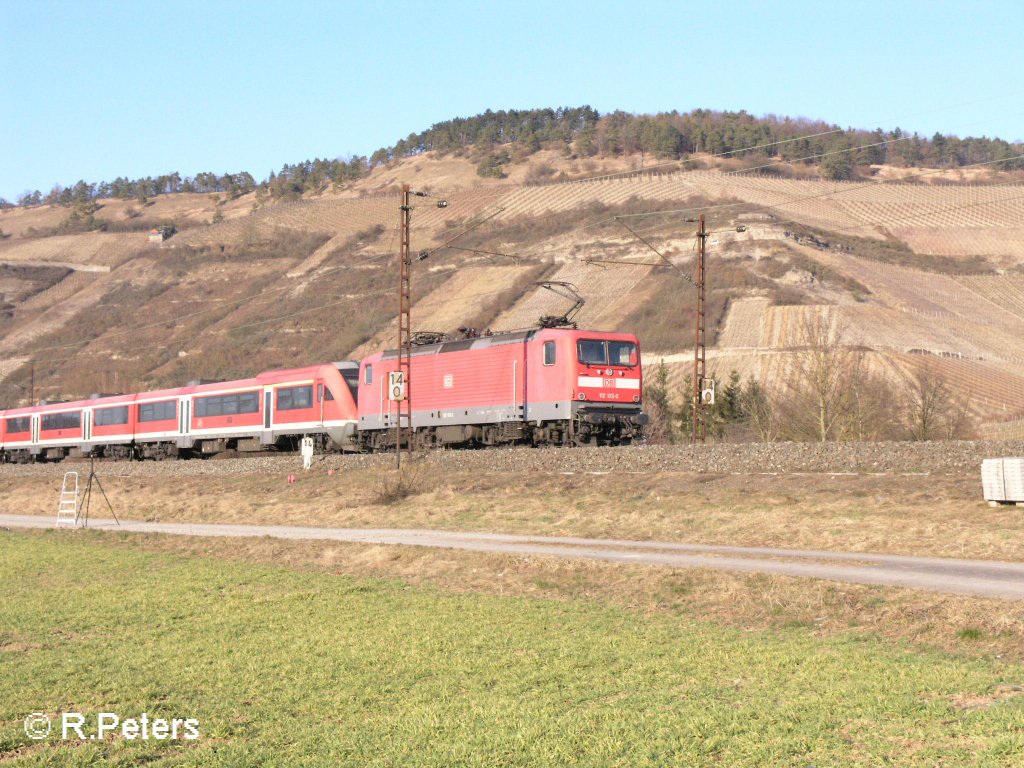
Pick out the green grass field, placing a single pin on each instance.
(293, 668)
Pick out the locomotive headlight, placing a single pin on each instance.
(636, 398)
(582, 396)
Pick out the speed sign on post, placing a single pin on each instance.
(396, 385)
(707, 391)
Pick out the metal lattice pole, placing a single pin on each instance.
(404, 327)
(699, 339)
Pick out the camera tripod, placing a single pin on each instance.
(87, 497)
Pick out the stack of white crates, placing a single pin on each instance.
(1003, 480)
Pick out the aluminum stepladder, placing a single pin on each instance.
(67, 509)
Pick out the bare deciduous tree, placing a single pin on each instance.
(822, 383)
(875, 414)
(930, 409)
(832, 390)
(762, 414)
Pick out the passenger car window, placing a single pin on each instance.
(62, 420)
(18, 424)
(162, 411)
(294, 398)
(105, 417)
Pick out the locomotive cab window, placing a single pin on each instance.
(368, 375)
(622, 353)
(549, 353)
(594, 352)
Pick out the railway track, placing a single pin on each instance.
(953, 457)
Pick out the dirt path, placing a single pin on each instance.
(969, 577)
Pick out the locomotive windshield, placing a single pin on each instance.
(622, 353)
(596, 352)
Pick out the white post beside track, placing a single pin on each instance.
(307, 452)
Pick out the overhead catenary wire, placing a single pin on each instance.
(308, 310)
(594, 262)
(480, 251)
(239, 301)
(516, 257)
(925, 214)
(726, 153)
(675, 166)
(246, 299)
(778, 143)
(821, 195)
(479, 294)
(832, 153)
(521, 257)
(1000, 96)
(662, 256)
(463, 233)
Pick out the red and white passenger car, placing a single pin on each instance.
(275, 408)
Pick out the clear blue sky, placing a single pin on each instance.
(95, 90)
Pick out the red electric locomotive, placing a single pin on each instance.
(549, 386)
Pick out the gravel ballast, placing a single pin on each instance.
(718, 458)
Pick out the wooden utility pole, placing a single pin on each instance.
(404, 329)
(699, 349)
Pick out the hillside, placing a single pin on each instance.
(925, 268)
